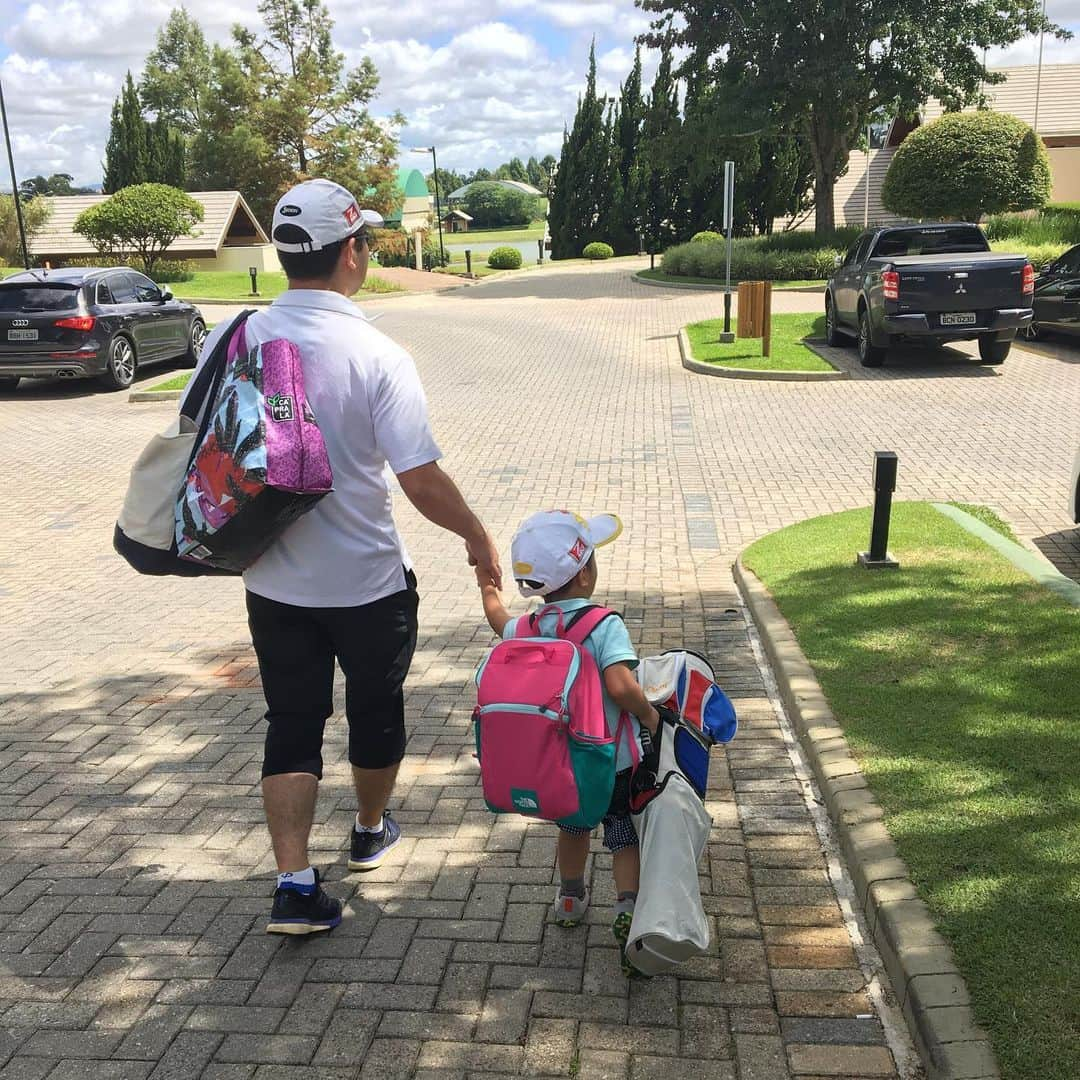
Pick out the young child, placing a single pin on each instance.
(554, 557)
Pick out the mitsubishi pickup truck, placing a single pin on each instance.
(930, 283)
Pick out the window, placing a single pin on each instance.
(122, 288)
(939, 240)
(146, 292)
(32, 297)
(851, 257)
(102, 295)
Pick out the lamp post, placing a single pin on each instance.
(14, 184)
(1038, 74)
(438, 209)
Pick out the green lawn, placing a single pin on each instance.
(788, 351)
(717, 283)
(493, 236)
(177, 382)
(956, 682)
(236, 285)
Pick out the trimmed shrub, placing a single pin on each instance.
(751, 260)
(504, 258)
(965, 165)
(598, 250)
(705, 236)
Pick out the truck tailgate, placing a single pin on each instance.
(976, 282)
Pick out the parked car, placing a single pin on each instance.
(1057, 296)
(91, 322)
(931, 283)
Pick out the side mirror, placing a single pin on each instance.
(1048, 268)
(166, 295)
(837, 261)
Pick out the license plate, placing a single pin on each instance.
(22, 335)
(959, 318)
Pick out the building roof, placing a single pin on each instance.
(459, 214)
(513, 185)
(1059, 92)
(225, 215)
(411, 183)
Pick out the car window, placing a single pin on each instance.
(932, 240)
(32, 297)
(849, 259)
(1069, 263)
(122, 288)
(146, 292)
(102, 295)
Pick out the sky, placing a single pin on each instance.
(482, 80)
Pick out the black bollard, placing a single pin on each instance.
(254, 272)
(878, 558)
(468, 262)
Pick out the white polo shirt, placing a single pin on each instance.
(367, 398)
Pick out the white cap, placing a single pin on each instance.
(552, 546)
(317, 213)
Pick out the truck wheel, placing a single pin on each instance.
(870, 355)
(833, 336)
(993, 351)
(8, 383)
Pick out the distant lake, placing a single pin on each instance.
(460, 242)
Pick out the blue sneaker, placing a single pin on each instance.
(367, 850)
(302, 909)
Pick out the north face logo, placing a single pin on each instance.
(281, 407)
(525, 801)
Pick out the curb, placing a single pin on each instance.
(1035, 565)
(691, 364)
(717, 288)
(926, 981)
(155, 395)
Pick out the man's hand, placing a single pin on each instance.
(484, 555)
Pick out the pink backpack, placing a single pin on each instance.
(541, 734)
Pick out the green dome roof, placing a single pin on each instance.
(411, 182)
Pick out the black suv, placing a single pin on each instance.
(91, 322)
(1057, 296)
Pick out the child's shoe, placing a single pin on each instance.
(570, 910)
(621, 929)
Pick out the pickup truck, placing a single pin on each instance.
(932, 283)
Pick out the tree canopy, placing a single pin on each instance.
(141, 220)
(829, 67)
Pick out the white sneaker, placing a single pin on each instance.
(569, 910)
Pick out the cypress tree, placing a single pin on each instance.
(127, 158)
(626, 199)
(658, 175)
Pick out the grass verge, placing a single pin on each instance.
(177, 382)
(987, 517)
(235, 285)
(955, 680)
(788, 351)
(717, 283)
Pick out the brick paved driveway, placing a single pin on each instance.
(134, 866)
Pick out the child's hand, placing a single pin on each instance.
(484, 579)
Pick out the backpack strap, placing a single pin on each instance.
(584, 621)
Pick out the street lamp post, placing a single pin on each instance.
(14, 184)
(438, 209)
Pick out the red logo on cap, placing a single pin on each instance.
(352, 214)
(578, 550)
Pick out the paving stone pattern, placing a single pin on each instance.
(135, 870)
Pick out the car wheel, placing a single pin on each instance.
(833, 336)
(119, 371)
(870, 355)
(8, 383)
(196, 340)
(992, 351)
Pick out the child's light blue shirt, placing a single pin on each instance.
(609, 644)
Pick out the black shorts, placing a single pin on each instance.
(297, 647)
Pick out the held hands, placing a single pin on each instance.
(484, 555)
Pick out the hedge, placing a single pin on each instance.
(751, 260)
(598, 250)
(504, 258)
(705, 236)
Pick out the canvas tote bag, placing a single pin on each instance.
(145, 531)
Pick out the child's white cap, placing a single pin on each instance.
(552, 546)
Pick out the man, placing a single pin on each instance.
(338, 584)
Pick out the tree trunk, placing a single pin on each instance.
(824, 210)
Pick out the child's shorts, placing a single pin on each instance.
(619, 831)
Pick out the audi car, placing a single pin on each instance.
(102, 323)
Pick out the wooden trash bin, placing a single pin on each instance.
(754, 314)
